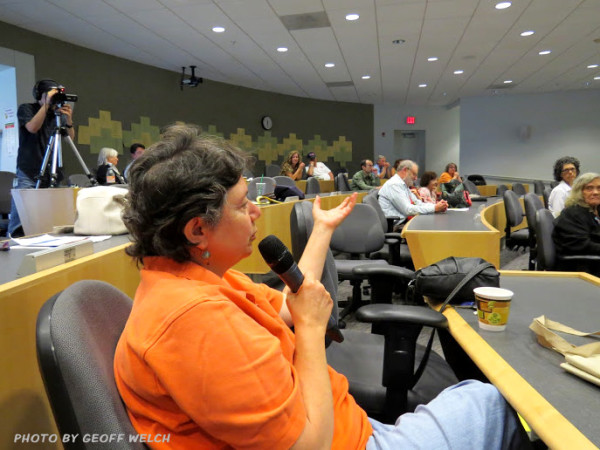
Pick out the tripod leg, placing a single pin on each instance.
(49, 148)
(81, 161)
(56, 156)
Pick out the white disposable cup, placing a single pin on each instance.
(493, 307)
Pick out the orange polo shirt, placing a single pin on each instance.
(445, 178)
(210, 362)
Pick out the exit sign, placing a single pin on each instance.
(410, 120)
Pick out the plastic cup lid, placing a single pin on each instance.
(493, 293)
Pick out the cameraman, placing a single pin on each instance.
(36, 124)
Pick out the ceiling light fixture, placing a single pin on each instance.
(596, 78)
(459, 72)
(422, 85)
(329, 65)
(218, 29)
(592, 66)
(432, 58)
(503, 5)
(545, 52)
(398, 41)
(282, 49)
(507, 81)
(527, 33)
(352, 16)
(366, 77)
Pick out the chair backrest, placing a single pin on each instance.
(501, 190)
(519, 189)
(269, 186)
(477, 179)
(546, 195)
(513, 209)
(282, 180)
(360, 232)
(77, 333)
(6, 184)
(538, 186)
(546, 252)
(553, 184)
(471, 187)
(79, 179)
(342, 182)
(272, 170)
(313, 186)
(532, 204)
(371, 199)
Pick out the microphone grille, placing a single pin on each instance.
(276, 254)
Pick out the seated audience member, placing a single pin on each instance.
(577, 228)
(317, 169)
(136, 151)
(107, 172)
(292, 166)
(365, 179)
(450, 174)
(382, 169)
(566, 169)
(208, 356)
(395, 197)
(395, 167)
(428, 188)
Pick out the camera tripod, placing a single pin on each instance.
(54, 151)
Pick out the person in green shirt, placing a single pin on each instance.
(365, 179)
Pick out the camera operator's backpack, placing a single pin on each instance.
(455, 194)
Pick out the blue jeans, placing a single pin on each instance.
(23, 182)
(469, 415)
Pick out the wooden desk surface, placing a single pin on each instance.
(558, 406)
(324, 185)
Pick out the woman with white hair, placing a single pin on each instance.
(577, 229)
(107, 172)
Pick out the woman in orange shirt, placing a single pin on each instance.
(451, 173)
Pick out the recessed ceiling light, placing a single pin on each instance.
(596, 78)
(282, 49)
(218, 29)
(592, 66)
(527, 33)
(545, 52)
(432, 58)
(329, 65)
(423, 85)
(352, 16)
(507, 81)
(398, 41)
(366, 77)
(458, 72)
(503, 5)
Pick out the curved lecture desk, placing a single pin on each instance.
(561, 408)
(324, 185)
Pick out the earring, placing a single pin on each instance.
(205, 255)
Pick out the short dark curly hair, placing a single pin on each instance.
(558, 165)
(426, 178)
(184, 175)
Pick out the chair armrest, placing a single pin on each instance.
(395, 272)
(401, 314)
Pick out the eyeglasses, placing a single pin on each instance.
(569, 169)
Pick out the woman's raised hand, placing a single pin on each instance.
(331, 218)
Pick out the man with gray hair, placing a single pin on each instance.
(397, 200)
(382, 169)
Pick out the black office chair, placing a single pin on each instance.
(501, 190)
(313, 186)
(282, 180)
(272, 170)
(77, 333)
(514, 217)
(548, 259)
(538, 186)
(532, 203)
(79, 179)
(546, 195)
(519, 189)
(384, 390)
(471, 187)
(342, 182)
(553, 184)
(6, 184)
(477, 179)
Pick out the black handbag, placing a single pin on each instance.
(438, 280)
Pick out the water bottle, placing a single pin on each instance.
(111, 177)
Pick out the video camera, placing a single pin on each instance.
(61, 97)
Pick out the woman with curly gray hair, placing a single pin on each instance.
(577, 229)
(566, 169)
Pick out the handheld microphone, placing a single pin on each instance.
(281, 261)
